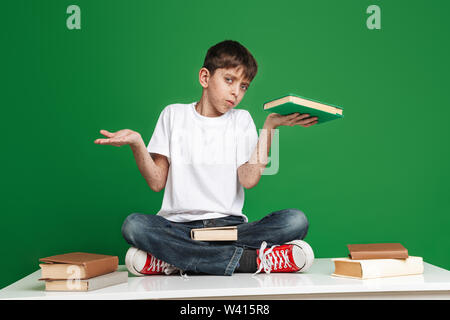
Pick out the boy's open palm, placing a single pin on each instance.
(293, 119)
(119, 138)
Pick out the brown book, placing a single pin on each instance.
(215, 234)
(377, 251)
(77, 265)
(377, 268)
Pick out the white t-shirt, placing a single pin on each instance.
(204, 154)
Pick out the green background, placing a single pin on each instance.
(380, 174)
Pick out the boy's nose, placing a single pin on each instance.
(235, 90)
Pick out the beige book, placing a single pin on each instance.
(303, 102)
(106, 280)
(215, 234)
(377, 268)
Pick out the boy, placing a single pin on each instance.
(204, 154)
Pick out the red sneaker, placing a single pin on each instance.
(293, 256)
(141, 263)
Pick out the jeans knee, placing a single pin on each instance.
(130, 227)
(297, 223)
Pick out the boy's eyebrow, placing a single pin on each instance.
(234, 77)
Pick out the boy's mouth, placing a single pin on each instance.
(230, 103)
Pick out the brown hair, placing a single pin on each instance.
(230, 54)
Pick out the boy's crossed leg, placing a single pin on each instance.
(165, 246)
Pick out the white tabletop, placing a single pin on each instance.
(317, 280)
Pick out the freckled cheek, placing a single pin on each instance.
(218, 89)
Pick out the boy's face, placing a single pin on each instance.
(226, 88)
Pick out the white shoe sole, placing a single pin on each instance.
(129, 257)
(306, 251)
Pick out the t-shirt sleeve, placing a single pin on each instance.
(246, 140)
(160, 140)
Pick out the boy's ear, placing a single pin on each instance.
(203, 77)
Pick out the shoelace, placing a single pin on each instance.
(270, 260)
(159, 265)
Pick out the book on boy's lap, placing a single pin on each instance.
(99, 282)
(215, 234)
(377, 268)
(294, 103)
(79, 265)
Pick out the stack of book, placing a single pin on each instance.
(377, 260)
(80, 271)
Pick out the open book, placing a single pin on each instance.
(215, 234)
(294, 103)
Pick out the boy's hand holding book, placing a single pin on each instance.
(307, 110)
(275, 120)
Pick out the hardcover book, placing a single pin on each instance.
(377, 268)
(105, 280)
(215, 234)
(77, 264)
(377, 251)
(294, 103)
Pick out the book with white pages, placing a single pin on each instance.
(377, 268)
(105, 280)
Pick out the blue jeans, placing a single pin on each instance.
(171, 242)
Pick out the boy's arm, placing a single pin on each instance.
(250, 172)
(154, 170)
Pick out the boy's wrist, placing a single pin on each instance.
(138, 143)
(269, 125)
